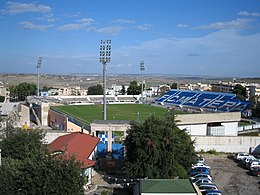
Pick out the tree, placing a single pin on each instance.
(134, 88)
(20, 144)
(256, 110)
(21, 91)
(95, 90)
(123, 91)
(174, 86)
(240, 91)
(13, 93)
(157, 148)
(32, 170)
(2, 98)
(45, 88)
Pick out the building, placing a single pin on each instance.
(210, 124)
(165, 187)
(79, 145)
(221, 87)
(4, 91)
(16, 113)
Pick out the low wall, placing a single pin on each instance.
(228, 144)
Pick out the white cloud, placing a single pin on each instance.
(48, 18)
(222, 53)
(84, 23)
(239, 23)
(123, 21)
(144, 26)
(31, 26)
(86, 20)
(243, 13)
(182, 25)
(256, 14)
(17, 8)
(73, 15)
(246, 13)
(112, 30)
(70, 27)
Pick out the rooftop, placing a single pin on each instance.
(166, 186)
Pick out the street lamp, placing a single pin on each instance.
(38, 76)
(142, 69)
(105, 56)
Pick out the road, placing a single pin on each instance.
(230, 177)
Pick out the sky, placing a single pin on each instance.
(190, 37)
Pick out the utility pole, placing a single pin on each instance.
(105, 56)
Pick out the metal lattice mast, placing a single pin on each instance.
(105, 57)
(142, 69)
(38, 75)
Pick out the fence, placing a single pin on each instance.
(249, 127)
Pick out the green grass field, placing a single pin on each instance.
(114, 112)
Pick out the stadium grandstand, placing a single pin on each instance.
(205, 101)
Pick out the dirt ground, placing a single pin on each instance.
(230, 177)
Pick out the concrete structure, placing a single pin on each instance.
(50, 136)
(108, 127)
(222, 87)
(4, 91)
(16, 113)
(60, 121)
(67, 91)
(228, 144)
(210, 124)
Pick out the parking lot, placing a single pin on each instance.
(230, 177)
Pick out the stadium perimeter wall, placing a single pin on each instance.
(228, 144)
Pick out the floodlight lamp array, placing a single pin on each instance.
(105, 51)
(142, 68)
(39, 62)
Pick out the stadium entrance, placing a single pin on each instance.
(111, 134)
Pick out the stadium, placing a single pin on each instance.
(204, 115)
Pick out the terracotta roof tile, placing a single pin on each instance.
(76, 144)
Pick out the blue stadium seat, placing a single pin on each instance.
(224, 102)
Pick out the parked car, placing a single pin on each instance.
(201, 178)
(201, 175)
(201, 160)
(256, 171)
(205, 187)
(198, 170)
(202, 181)
(241, 155)
(211, 192)
(255, 164)
(249, 162)
(248, 159)
(200, 165)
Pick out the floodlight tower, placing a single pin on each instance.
(105, 56)
(38, 76)
(142, 69)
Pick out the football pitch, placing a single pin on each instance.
(130, 112)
